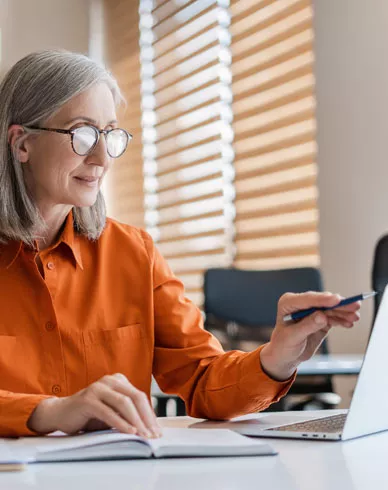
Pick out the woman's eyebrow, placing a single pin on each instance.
(88, 119)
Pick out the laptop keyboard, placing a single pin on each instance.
(334, 423)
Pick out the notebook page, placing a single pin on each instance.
(7, 456)
(60, 441)
(206, 442)
(10, 461)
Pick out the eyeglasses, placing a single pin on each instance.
(85, 138)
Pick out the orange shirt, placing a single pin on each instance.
(107, 306)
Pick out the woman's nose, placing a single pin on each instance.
(101, 152)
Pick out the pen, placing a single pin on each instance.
(297, 315)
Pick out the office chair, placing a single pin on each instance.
(242, 305)
(379, 271)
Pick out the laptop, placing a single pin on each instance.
(368, 412)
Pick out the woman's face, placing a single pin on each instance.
(53, 172)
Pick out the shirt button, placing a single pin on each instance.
(50, 265)
(56, 389)
(50, 326)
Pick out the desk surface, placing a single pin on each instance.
(337, 364)
(301, 465)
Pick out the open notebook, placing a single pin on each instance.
(114, 445)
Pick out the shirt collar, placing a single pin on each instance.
(10, 251)
(71, 239)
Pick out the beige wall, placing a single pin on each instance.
(28, 25)
(351, 39)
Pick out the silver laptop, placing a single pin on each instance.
(368, 412)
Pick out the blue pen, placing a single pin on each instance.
(298, 315)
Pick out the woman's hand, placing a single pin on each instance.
(110, 402)
(294, 342)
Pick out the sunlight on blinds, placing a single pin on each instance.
(221, 102)
(274, 126)
(187, 135)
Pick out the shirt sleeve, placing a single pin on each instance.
(190, 362)
(15, 410)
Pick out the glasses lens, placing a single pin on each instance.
(84, 139)
(117, 142)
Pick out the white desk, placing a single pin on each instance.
(331, 364)
(301, 465)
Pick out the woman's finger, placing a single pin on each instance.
(124, 406)
(338, 321)
(146, 412)
(344, 315)
(106, 414)
(291, 302)
(120, 383)
(307, 326)
(350, 307)
(143, 405)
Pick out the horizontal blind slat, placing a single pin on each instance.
(178, 202)
(202, 253)
(188, 219)
(286, 252)
(274, 34)
(270, 263)
(247, 23)
(306, 204)
(167, 169)
(284, 165)
(181, 41)
(198, 180)
(277, 232)
(193, 11)
(162, 13)
(172, 40)
(182, 238)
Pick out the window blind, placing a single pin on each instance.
(274, 134)
(187, 134)
(124, 182)
(227, 158)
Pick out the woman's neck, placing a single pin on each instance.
(54, 219)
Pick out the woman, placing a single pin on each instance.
(90, 309)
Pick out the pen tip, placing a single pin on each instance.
(369, 295)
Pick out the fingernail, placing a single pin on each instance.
(320, 319)
(157, 431)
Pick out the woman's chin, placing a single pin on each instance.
(85, 200)
(84, 203)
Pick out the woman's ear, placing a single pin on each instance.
(15, 131)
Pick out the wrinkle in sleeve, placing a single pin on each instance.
(190, 362)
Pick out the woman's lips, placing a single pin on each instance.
(88, 181)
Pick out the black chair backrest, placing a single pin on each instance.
(250, 297)
(380, 270)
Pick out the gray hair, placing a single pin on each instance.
(33, 90)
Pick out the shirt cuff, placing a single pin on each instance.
(16, 409)
(256, 381)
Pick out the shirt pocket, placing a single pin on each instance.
(118, 350)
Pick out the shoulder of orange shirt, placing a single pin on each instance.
(112, 445)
